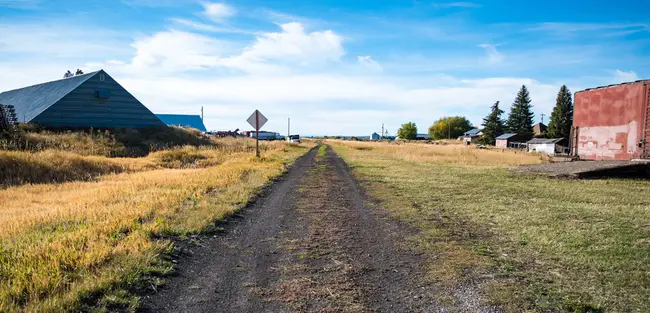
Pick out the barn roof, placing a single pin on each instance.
(193, 121)
(31, 101)
(506, 136)
(544, 140)
(472, 132)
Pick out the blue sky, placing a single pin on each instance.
(334, 67)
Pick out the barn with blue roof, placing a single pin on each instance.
(192, 121)
(88, 100)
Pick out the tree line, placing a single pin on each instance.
(519, 121)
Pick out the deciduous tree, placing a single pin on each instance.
(408, 131)
(449, 127)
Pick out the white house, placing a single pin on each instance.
(546, 145)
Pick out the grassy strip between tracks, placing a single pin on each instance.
(531, 243)
(84, 246)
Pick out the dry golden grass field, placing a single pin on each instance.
(102, 229)
(529, 243)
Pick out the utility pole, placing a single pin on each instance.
(448, 130)
(543, 117)
(382, 131)
(201, 113)
(288, 128)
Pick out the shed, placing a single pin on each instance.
(472, 135)
(192, 121)
(89, 100)
(504, 140)
(375, 136)
(612, 122)
(422, 137)
(550, 146)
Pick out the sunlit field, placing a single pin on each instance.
(103, 233)
(529, 243)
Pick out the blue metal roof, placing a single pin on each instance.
(31, 101)
(193, 121)
(506, 136)
(472, 131)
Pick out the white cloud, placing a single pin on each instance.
(294, 43)
(175, 50)
(624, 77)
(494, 56)
(369, 63)
(218, 11)
(290, 46)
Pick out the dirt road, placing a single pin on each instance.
(311, 244)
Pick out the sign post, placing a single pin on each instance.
(257, 120)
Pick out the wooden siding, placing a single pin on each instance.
(80, 108)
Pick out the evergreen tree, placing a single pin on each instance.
(520, 120)
(492, 125)
(562, 116)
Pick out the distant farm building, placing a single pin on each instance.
(89, 100)
(612, 122)
(539, 130)
(472, 135)
(422, 137)
(191, 121)
(375, 136)
(550, 146)
(505, 140)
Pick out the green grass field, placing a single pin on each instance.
(531, 243)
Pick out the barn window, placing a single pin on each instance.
(103, 94)
(101, 77)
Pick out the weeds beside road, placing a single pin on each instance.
(81, 246)
(532, 243)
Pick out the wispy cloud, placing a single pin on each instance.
(21, 4)
(154, 3)
(597, 29)
(207, 27)
(623, 76)
(494, 56)
(460, 4)
(367, 62)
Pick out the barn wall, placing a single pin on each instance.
(610, 121)
(502, 143)
(80, 108)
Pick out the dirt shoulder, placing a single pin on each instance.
(312, 244)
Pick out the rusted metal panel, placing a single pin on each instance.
(612, 121)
